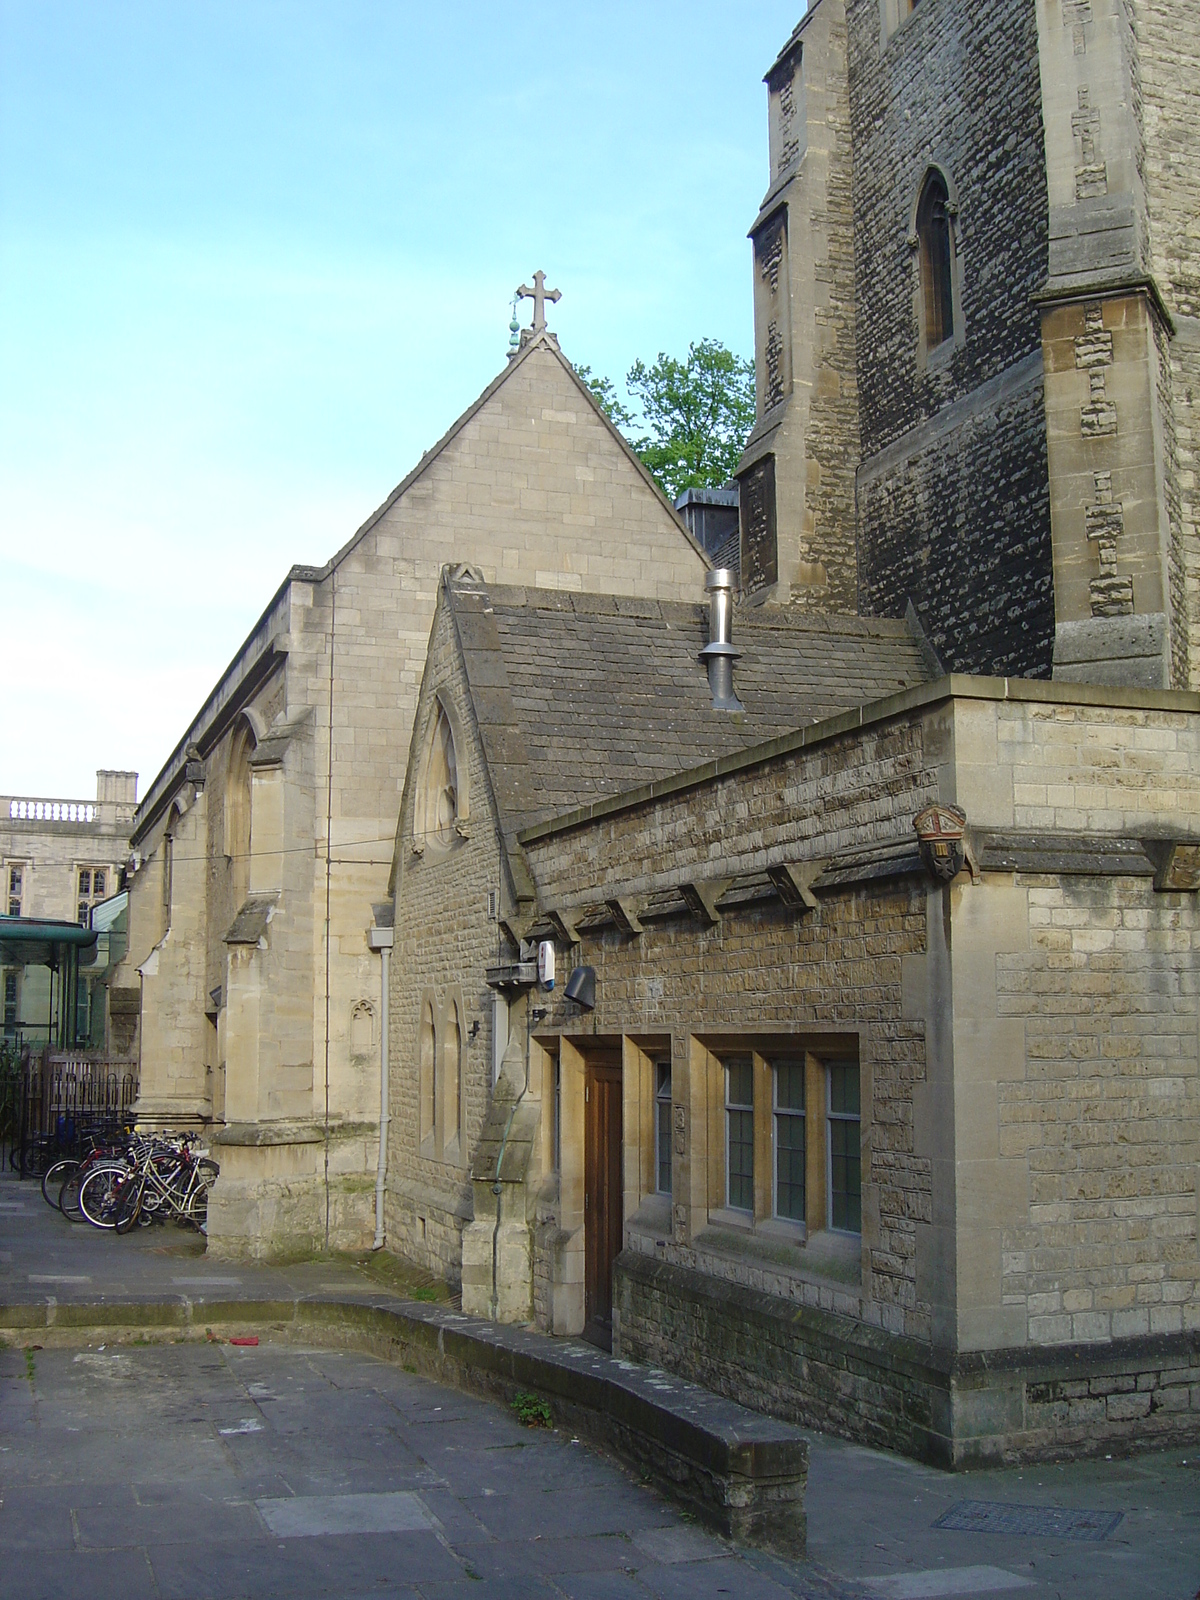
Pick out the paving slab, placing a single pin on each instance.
(145, 1468)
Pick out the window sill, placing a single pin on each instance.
(825, 1257)
(728, 1217)
(787, 1232)
(938, 360)
(652, 1217)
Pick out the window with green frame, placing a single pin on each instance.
(739, 1133)
(662, 1126)
(844, 1116)
(789, 1139)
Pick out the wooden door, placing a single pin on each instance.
(603, 1217)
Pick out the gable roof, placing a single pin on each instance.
(543, 341)
(579, 697)
(258, 652)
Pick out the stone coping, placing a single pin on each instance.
(743, 1473)
(954, 686)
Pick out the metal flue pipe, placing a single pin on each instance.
(719, 654)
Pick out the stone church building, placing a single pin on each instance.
(867, 1087)
(263, 847)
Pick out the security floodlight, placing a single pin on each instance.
(581, 987)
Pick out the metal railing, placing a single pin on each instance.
(63, 1100)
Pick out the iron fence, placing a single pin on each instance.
(63, 1101)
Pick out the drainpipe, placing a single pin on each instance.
(382, 939)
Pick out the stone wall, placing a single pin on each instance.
(809, 1366)
(957, 515)
(824, 1371)
(1169, 61)
(803, 266)
(763, 973)
(1107, 1115)
(429, 1187)
(1185, 387)
(853, 788)
(531, 485)
(1028, 1062)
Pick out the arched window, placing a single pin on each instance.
(451, 1078)
(439, 801)
(428, 1076)
(936, 246)
(237, 813)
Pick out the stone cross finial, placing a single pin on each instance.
(539, 294)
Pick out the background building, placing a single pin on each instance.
(60, 858)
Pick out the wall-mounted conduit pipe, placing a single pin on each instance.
(381, 939)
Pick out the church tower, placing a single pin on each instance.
(1120, 340)
(796, 476)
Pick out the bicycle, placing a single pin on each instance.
(157, 1179)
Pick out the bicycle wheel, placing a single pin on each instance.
(196, 1209)
(54, 1177)
(68, 1194)
(35, 1157)
(129, 1205)
(101, 1193)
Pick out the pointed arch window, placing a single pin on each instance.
(427, 1079)
(237, 813)
(441, 810)
(935, 245)
(451, 1080)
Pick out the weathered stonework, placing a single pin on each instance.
(1057, 136)
(797, 475)
(953, 509)
(259, 994)
(1027, 1050)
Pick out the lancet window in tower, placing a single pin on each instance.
(937, 262)
(237, 813)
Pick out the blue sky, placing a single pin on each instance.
(255, 257)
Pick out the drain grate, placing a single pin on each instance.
(1046, 1522)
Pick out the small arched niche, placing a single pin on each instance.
(441, 807)
(362, 1031)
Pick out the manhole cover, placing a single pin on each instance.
(1047, 1522)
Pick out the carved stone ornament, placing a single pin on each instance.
(941, 831)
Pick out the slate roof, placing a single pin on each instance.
(580, 696)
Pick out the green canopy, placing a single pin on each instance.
(31, 942)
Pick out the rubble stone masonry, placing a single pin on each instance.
(953, 508)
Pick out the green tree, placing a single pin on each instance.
(605, 397)
(694, 416)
